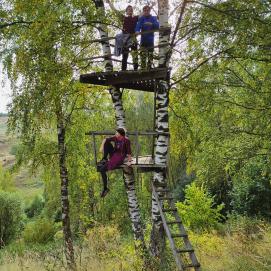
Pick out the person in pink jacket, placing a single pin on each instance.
(117, 153)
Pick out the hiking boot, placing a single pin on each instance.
(104, 160)
(104, 192)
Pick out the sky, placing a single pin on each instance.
(5, 91)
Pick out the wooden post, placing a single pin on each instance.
(94, 148)
(137, 147)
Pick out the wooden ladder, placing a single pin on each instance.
(185, 256)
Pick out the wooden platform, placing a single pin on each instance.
(139, 80)
(144, 163)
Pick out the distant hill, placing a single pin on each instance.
(3, 124)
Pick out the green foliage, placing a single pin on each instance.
(233, 251)
(41, 230)
(222, 103)
(198, 211)
(246, 227)
(6, 180)
(14, 149)
(35, 207)
(252, 189)
(10, 216)
(105, 243)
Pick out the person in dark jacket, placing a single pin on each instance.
(116, 154)
(147, 22)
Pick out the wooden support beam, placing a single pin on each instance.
(144, 133)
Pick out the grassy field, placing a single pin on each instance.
(105, 250)
(6, 143)
(29, 186)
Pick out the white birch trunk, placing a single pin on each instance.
(161, 148)
(129, 179)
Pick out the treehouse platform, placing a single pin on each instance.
(144, 80)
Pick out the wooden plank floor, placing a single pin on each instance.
(140, 80)
(143, 162)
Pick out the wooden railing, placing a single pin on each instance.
(137, 134)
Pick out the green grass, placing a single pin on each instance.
(104, 249)
(28, 186)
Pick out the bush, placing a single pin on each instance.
(39, 231)
(35, 207)
(6, 180)
(252, 189)
(14, 149)
(198, 211)
(246, 227)
(10, 216)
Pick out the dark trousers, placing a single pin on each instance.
(107, 151)
(125, 54)
(146, 56)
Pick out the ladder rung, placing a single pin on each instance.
(160, 185)
(179, 235)
(163, 190)
(191, 265)
(166, 198)
(184, 250)
(174, 222)
(170, 210)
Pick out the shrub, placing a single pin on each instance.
(6, 180)
(35, 207)
(39, 231)
(104, 239)
(252, 189)
(246, 227)
(10, 216)
(14, 149)
(198, 211)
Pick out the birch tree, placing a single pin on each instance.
(129, 179)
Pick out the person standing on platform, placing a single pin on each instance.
(116, 155)
(147, 23)
(128, 38)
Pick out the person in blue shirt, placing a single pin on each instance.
(146, 22)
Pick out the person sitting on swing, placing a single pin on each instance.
(116, 154)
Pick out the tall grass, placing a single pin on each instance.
(103, 249)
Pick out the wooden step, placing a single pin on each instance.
(179, 235)
(162, 190)
(184, 250)
(156, 185)
(191, 266)
(166, 198)
(170, 210)
(173, 222)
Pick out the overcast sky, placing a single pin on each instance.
(4, 91)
